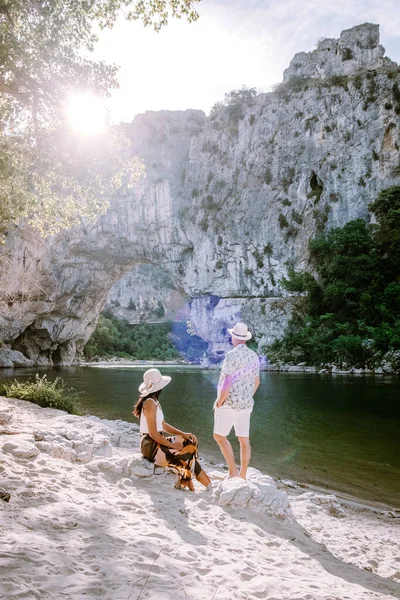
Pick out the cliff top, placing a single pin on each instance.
(356, 49)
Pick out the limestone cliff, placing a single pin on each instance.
(228, 200)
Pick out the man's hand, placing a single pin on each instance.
(218, 403)
(191, 437)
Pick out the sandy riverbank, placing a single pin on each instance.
(87, 518)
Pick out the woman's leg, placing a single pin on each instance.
(203, 478)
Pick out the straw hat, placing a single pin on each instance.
(153, 381)
(240, 332)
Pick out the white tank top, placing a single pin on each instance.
(144, 428)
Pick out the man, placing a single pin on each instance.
(239, 380)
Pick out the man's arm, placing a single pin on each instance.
(224, 393)
(256, 383)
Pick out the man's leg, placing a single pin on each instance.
(245, 453)
(242, 430)
(223, 421)
(227, 451)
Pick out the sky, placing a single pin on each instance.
(234, 43)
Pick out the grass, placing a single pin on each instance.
(44, 393)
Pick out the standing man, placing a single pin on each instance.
(239, 380)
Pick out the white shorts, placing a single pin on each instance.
(225, 418)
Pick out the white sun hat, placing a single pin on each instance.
(240, 332)
(153, 381)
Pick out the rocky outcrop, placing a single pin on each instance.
(228, 201)
(356, 50)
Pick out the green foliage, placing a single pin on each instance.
(357, 81)
(116, 337)
(259, 259)
(234, 103)
(44, 393)
(219, 240)
(267, 176)
(49, 175)
(248, 272)
(348, 311)
(219, 264)
(315, 194)
(283, 222)
(268, 249)
(209, 204)
(297, 217)
(252, 119)
(347, 54)
(204, 224)
(286, 202)
(337, 81)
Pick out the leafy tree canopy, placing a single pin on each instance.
(348, 307)
(48, 174)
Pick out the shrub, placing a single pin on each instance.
(321, 217)
(297, 217)
(219, 264)
(219, 240)
(268, 176)
(44, 393)
(259, 260)
(268, 249)
(315, 194)
(286, 202)
(252, 119)
(338, 80)
(282, 221)
(204, 224)
(248, 272)
(347, 54)
(358, 82)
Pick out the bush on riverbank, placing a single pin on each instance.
(44, 393)
(145, 341)
(348, 309)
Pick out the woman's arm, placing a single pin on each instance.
(169, 429)
(150, 412)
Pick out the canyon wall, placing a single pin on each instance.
(227, 203)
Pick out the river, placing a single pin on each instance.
(333, 432)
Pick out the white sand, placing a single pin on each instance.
(81, 524)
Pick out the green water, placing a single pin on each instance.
(339, 433)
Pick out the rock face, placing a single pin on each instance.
(227, 202)
(357, 48)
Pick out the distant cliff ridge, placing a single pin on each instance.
(228, 200)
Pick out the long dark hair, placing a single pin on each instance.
(137, 409)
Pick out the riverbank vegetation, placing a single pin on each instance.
(348, 307)
(44, 393)
(144, 341)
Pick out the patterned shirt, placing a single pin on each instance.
(244, 366)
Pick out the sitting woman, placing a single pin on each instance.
(178, 453)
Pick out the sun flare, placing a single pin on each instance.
(86, 114)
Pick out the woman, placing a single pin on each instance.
(178, 453)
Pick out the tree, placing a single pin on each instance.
(47, 173)
(348, 310)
